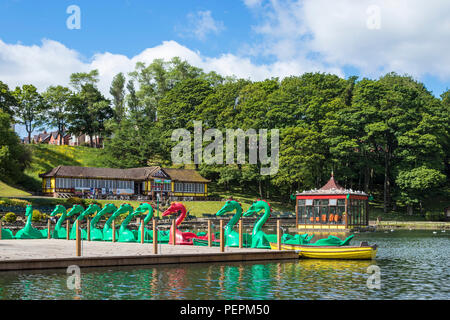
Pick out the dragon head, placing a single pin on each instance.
(58, 209)
(229, 206)
(256, 207)
(175, 207)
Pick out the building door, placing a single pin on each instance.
(137, 187)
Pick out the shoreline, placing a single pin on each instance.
(411, 225)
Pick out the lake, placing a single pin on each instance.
(412, 264)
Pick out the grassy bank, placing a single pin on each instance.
(9, 191)
(45, 157)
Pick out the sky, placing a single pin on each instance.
(43, 42)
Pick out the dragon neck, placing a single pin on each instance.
(88, 211)
(29, 213)
(61, 219)
(127, 220)
(181, 216)
(262, 220)
(100, 214)
(235, 217)
(149, 215)
(117, 213)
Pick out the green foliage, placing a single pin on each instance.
(88, 202)
(38, 216)
(30, 108)
(14, 156)
(88, 111)
(387, 136)
(14, 202)
(10, 217)
(434, 216)
(75, 200)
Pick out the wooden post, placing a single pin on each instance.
(222, 237)
(142, 232)
(240, 234)
(49, 229)
(278, 234)
(155, 238)
(78, 238)
(174, 233)
(88, 229)
(67, 230)
(209, 234)
(346, 212)
(113, 231)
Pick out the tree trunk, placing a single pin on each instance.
(260, 188)
(409, 209)
(366, 179)
(386, 180)
(91, 142)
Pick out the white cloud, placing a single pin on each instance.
(202, 24)
(52, 63)
(413, 36)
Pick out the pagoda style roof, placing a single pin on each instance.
(331, 187)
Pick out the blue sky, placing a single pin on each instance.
(254, 39)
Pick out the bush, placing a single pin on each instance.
(434, 216)
(10, 217)
(92, 201)
(75, 200)
(38, 216)
(15, 203)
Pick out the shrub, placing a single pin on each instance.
(16, 202)
(75, 200)
(10, 217)
(38, 216)
(120, 218)
(434, 216)
(92, 201)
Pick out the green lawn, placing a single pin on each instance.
(46, 157)
(8, 191)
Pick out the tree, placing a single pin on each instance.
(14, 156)
(7, 100)
(117, 91)
(78, 79)
(88, 112)
(57, 100)
(29, 109)
(418, 184)
(133, 145)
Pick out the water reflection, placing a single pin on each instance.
(413, 266)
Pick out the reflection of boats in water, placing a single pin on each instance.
(363, 251)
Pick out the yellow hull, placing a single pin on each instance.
(330, 252)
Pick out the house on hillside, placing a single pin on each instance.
(55, 138)
(84, 139)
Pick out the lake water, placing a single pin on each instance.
(412, 265)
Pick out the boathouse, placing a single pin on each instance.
(148, 182)
(332, 207)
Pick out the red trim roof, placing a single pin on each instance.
(331, 184)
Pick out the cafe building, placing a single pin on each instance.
(148, 182)
(332, 207)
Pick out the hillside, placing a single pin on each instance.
(9, 191)
(45, 157)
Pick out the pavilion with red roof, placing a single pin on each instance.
(332, 207)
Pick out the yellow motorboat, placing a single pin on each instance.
(361, 252)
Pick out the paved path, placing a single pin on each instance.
(56, 248)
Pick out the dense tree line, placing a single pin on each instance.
(388, 137)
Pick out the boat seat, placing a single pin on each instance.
(364, 244)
